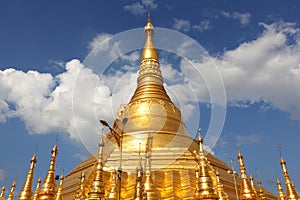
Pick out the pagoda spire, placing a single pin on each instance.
(291, 193)
(80, 194)
(220, 190)
(2, 193)
(60, 188)
(26, 192)
(205, 189)
(37, 189)
(139, 179)
(253, 185)
(113, 195)
(48, 188)
(280, 190)
(246, 191)
(12, 191)
(97, 188)
(261, 194)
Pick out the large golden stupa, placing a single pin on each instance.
(149, 155)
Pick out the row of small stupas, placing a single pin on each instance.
(206, 188)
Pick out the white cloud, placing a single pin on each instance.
(244, 18)
(203, 26)
(101, 38)
(140, 7)
(248, 139)
(181, 25)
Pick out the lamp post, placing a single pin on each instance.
(234, 174)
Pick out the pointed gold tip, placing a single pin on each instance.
(149, 19)
(200, 138)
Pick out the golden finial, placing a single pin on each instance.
(280, 190)
(97, 190)
(12, 191)
(139, 179)
(261, 195)
(246, 190)
(49, 186)
(113, 195)
(2, 193)
(204, 188)
(80, 194)
(253, 185)
(37, 189)
(220, 190)
(291, 192)
(26, 192)
(60, 188)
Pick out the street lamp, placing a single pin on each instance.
(234, 175)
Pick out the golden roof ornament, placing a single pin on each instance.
(37, 189)
(220, 189)
(280, 190)
(113, 195)
(49, 186)
(97, 190)
(12, 191)
(205, 189)
(261, 194)
(138, 195)
(59, 195)
(2, 192)
(26, 192)
(80, 194)
(246, 189)
(253, 185)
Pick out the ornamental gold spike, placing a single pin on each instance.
(291, 193)
(113, 195)
(49, 186)
(220, 190)
(246, 190)
(138, 195)
(2, 193)
(59, 195)
(261, 194)
(253, 185)
(205, 189)
(97, 190)
(37, 189)
(26, 192)
(80, 194)
(280, 190)
(12, 191)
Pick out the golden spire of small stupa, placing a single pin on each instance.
(12, 191)
(253, 185)
(37, 189)
(48, 188)
(97, 190)
(60, 188)
(138, 195)
(220, 190)
(261, 194)
(246, 190)
(205, 189)
(290, 189)
(26, 192)
(2, 193)
(113, 195)
(80, 194)
(280, 191)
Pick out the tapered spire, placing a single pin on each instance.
(138, 195)
(205, 189)
(113, 195)
(37, 189)
(291, 193)
(26, 192)
(12, 191)
(220, 190)
(280, 190)
(80, 194)
(261, 194)
(48, 188)
(97, 190)
(253, 185)
(2, 193)
(60, 188)
(246, 189)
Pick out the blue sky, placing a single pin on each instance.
(255, 45)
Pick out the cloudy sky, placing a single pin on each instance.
(53, 81)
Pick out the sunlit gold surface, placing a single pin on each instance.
(280, 191)
(2, 192)
(37, 189)
(12, 191)
(261, 195)
(60, 188)
(26, 192)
